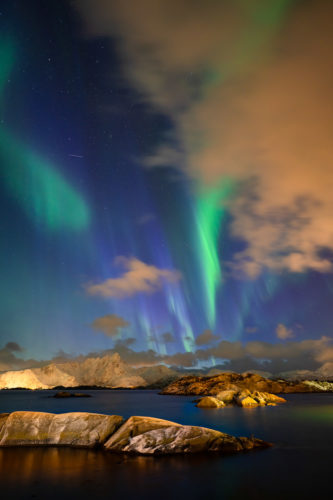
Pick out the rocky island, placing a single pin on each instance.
(66, 394)
(137, 435)
(229, 381)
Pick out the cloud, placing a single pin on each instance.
(168, 337)
(134, 358)
(125, 342)
(7, 358)
(283, 333)
(10, 361)
(325, 356)
(185, 359)
(247, 87)
(110, 324)
(223, 350)
(206, 337)
(312, 355)
(138, 277)
(276, 358)
(13, 347)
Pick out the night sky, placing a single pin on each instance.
(166, 181)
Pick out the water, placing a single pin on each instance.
(299, 466)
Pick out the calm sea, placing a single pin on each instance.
(299, 466)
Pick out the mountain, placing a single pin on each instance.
(324, 373)
(158, 375)
(108, 371)
(111, 371)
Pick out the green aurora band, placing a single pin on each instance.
(38, 186)
(253, 45)
(209, 213)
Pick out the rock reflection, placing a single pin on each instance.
(64, 471)
(29, 463)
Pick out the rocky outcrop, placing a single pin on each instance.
(210, 402)
(244, 397)
(188, 439)
(143, 435)
(135, 426)
(66, 394)
(138, 435)
(3, 419)
(248, 402)
(320, 385)
(240, 397)
(211, 386)
(24, 428)
(227, 396)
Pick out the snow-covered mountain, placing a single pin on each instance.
(108, 371)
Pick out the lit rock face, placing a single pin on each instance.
(186, 439)
(240, 397)
(211, 386)
(109, 371)
(135, 426)
(210, 402)
(88, 430)
(248, 402)
(257, 398)
(151, 436)
(321, 385)
(227, 396)
(21, 378)
(3, 419)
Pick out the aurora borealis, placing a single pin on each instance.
(170, 182)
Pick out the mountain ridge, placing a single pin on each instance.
(111, 372)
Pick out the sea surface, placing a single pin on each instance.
(298, 466)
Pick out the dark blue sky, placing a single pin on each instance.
(128, 211)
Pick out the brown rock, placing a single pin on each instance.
(151, 436)
(133, 427)
(268, 398)
(211, 386)
(139, 435)
(67, 429)
(62, 394)
(243, 394)
(210, 402)
(3, 419)
(66, 394)
(247, 402)
(227, 396)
